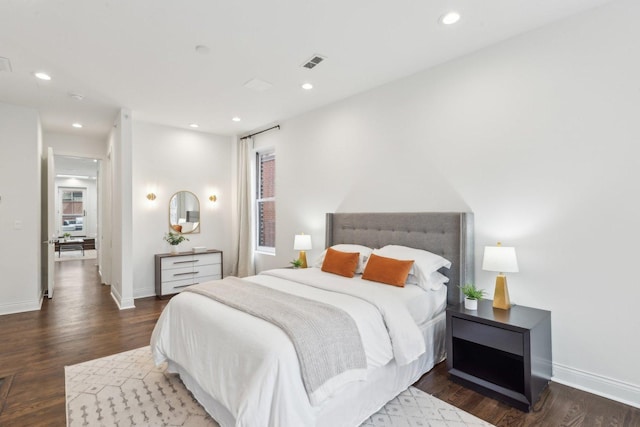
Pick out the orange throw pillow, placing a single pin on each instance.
(390, 271)
(342, 263)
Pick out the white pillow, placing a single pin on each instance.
(362, 259)
(425, 263)
(434, 281)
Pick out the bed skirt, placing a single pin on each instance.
(357, 401)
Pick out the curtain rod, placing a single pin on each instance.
(257, 133)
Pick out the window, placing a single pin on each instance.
(266, 201)
(71, 211)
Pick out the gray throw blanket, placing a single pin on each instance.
(326, 338)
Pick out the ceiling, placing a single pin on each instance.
(141, 55)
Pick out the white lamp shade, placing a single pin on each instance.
(500, 258)
(302, 242)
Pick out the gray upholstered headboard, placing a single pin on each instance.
(449, 234)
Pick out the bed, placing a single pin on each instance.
(245, 371)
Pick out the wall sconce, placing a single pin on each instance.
(213, 198)
(151, 197)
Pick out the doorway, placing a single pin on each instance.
(76, 208)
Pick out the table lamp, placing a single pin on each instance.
(503, 260)
(302, 243)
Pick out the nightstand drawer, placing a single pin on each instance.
(501, 339)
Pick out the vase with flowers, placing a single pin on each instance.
(174, 239)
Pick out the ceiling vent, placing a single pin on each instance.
(315, 60)
(5, 64)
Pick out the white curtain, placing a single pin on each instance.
(245, 263)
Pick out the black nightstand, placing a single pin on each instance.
(504, 354)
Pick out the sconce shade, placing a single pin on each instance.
(302, 242)
(500, 258)
(151, 196)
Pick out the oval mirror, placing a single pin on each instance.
(184, 212)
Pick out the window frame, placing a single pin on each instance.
(259, 154)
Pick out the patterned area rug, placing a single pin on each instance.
(126, 389)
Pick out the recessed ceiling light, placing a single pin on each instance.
(307, 86)
(194, 125)
(236, 119)
(42, 76)
(450, 18)
(77, 125)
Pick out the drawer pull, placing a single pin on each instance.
(184, 262)
(184, 274)
(182, 286)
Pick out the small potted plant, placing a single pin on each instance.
(66, 236)
(174, 239)
(471, 296)
(296, 263)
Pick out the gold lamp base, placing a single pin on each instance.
(501, 295)
(303, 258)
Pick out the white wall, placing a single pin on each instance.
(104, 217)
(167, 160)
(76, 145)
(20, 161)
(120, 149)
(538, 136)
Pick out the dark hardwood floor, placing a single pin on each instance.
(82, 323)
(559, 405)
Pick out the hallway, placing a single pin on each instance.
(81, 322)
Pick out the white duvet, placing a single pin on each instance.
(250, 366)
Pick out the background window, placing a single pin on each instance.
(266, 201)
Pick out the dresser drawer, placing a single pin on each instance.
(178, 262)
(501, 339)
(207, 270)
(177, 273)
(207, 259)
(174, 272)
(176, 286)
(204, 279)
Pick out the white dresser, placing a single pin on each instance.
(175, 272)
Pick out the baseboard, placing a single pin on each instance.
(127, 304)
(122, 304)
(610, 388)
(20, 307)
(115, 296)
